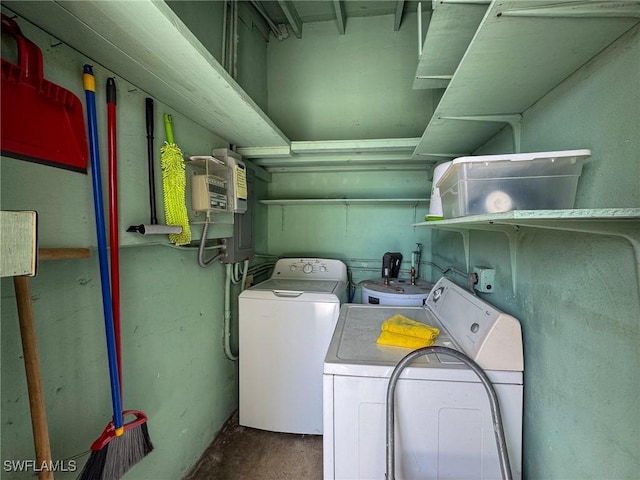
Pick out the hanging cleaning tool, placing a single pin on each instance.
(121, 445)
(18, 252)
(152, 228)
(41, 121)
(114, 241)
(174, 182)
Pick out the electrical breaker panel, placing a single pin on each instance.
(238, 194)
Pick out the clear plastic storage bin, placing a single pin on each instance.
(499, 183)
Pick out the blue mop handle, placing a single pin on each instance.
(89, 83)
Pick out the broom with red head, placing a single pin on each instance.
(121, 445)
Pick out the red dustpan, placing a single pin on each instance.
(41, 121)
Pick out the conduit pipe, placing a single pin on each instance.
(234, 65)
(237, 277)
(203, 239)
(224, 35)
(227, 316)
(229, 277)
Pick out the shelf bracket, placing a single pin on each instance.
(511, 231)
(631, 235)
(513, 234)
(623, 223)
(465, 241)
(582, 9)
(434, 77)
(513, 119)
(346, 216)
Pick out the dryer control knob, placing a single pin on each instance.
(307, 268)
(293, 268)
(323, 268)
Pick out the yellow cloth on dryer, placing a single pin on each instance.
(405, 326)
(398, 340)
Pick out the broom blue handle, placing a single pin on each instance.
(90, 88)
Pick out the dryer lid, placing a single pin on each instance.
(353, 350)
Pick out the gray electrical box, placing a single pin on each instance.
(240, 247)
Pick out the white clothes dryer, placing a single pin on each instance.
(443, 422)
(285, 326)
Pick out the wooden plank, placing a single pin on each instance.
(451, 28)
(340, 15)
(63, 253)
(630, 216)
(18, 243)
(510, 64)
(355, 146)
(347, 201)
(291, 13)
(264, 152)
(398, 16)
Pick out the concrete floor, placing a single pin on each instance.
(242, 453)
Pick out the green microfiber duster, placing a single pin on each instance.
(174, 182)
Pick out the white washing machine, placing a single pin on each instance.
(285, 326)
(444, 428)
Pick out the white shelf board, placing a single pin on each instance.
(147, 44)
(341, 147)
(515, 58)
(605, 217)
(618, 222)
(451, 28)
(342, 155)
(345, 201)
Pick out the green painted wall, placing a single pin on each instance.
(353, 86)
(175, 369)
(327, 86)
(359, 234)
(252, 55)
(204, 19)
(577, 294)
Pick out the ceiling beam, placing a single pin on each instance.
(341, 17)
(399, 11)
(292, 16)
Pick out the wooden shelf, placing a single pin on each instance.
(147, 44)
(341, 155)
(600, 218)
(451, 28)
(618, 222)
(344, 201)
(521, 51)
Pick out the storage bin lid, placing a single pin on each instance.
(572, 155)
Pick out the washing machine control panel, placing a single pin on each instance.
(310, 268)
